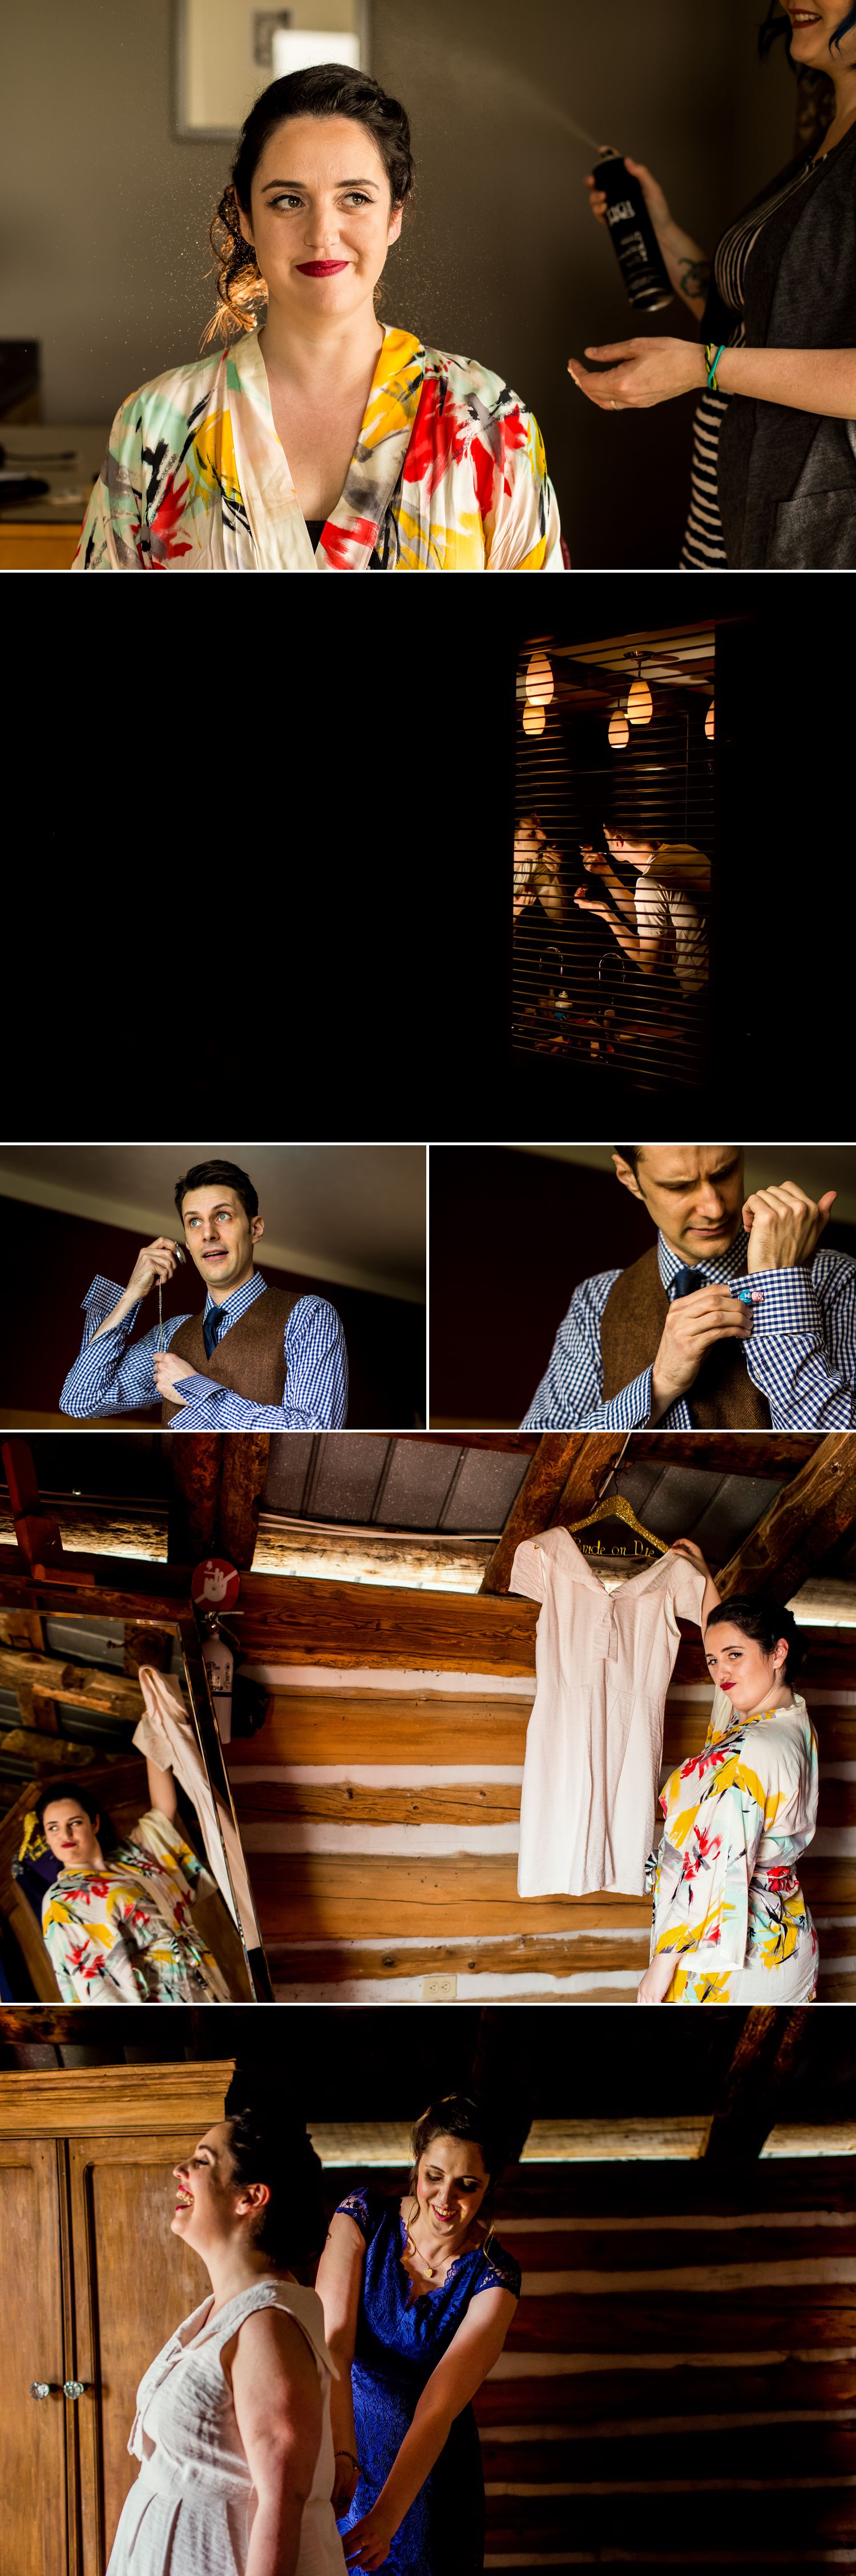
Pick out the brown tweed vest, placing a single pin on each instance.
(723, 1397)
(250, 1358)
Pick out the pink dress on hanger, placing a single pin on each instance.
(594, 1744)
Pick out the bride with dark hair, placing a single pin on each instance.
(418, 2299)
(730, 1921)
(232, 2428)
(319, 439)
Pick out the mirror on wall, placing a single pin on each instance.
(227, 51)
(122, 1873)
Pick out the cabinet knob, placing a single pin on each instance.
(52, 2388)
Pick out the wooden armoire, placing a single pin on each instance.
(92, 2283)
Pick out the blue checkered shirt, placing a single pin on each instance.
(801, 1353)
(107, 1377)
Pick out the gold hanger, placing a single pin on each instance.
(615, 1507)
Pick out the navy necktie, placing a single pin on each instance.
(687, 1281)
(212, 1327)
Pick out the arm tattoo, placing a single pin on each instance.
(695, 276)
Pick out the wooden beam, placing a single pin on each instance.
(755, 2080)
(562, 1476)
(243, 1468)
(196, 1465)
(801, 1527)
(726, 1453)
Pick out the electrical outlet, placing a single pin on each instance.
(439, 1990)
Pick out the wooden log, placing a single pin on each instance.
(533, 1955)
(654, 2393)
(78, 1685)
(361, 1809)
(196, 1464)
(614, 2322)
(767, 2454)
(350, 1624)
(814, 1510)
(244, 1466)
(314, 1897)
(350, 1726)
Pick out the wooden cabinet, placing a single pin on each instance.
(93, 2282)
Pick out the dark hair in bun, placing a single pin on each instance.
(757, 1615)
(268, 2143)
(460, 2115)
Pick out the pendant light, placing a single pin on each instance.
(539, 681)
(640, 704)
(709, 722)
(619, 730)
(534, 719)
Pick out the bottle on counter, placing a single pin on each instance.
(634, 240)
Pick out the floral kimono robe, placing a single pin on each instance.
(448, 475)
(125, 1933)
(727, 1900)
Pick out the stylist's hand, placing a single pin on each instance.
(642, 372)
(590, 902)
(651, 191)
(784, 1226)
(167, 1372)
(370, 2541)
(345, 2483)
(594, 860)
(693, 1325)
(157, 1260)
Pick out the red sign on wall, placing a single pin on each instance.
(215, 1584)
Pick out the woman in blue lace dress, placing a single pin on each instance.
(418, 2298)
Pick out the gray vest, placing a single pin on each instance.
(787, 479)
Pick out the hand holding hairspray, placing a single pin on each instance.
(634, 240)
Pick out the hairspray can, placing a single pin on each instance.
(634, 240)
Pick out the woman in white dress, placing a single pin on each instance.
(232, 2428)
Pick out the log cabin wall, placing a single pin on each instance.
(379, 1805)
(678, 2388)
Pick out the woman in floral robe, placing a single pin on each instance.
(730, 1922)
(318, 440)
(118, 1925)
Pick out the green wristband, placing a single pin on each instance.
(712, 358)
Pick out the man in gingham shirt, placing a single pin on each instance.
(285, 1370)
(736, 1316)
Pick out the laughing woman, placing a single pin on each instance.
(418, 2298)
(318, 440)
(731, 1924)
(232, 2429)
(774, 469)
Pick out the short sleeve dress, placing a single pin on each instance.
(727, 1899)
(191, 2510)
(125, 1934)
(594, 1742)
(400, 2341)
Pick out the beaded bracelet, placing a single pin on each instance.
(712, 358)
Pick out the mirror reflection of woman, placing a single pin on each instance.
(773, 475)
(730, 1922)
(118, 1921)
(418, 2300)
(232, 2429)
(318, 439)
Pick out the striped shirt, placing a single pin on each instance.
(107, 1377)
(704, 543)
(801, 1353)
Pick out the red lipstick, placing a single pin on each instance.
(321, 267)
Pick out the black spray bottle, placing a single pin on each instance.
(634, 240)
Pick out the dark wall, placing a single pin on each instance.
(49, 1261)
(512, 1235)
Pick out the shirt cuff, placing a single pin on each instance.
(790, 1303)
(103, 1294)
(196, 1391)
